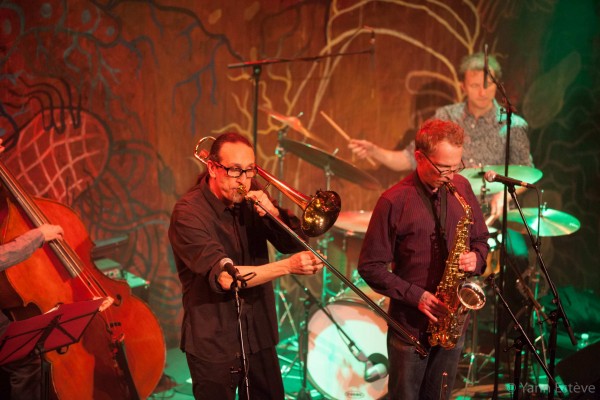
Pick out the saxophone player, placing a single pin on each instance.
(413, 228)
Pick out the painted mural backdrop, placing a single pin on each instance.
(102, 102)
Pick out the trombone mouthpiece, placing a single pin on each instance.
(242, 190)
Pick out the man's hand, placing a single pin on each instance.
(496, 207)
(51, 232)
(432, 307)
(361, 148)
(468, 262)
(262, 198)
(304, 263)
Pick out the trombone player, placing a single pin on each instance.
(215, 234)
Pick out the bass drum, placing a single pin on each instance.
(332, 369)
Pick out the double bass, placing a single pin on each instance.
(121, 354)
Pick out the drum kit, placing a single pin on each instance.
(542, 222)
(333, 369)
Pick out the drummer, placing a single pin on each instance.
(484, 124)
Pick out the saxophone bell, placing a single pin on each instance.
(471, 295)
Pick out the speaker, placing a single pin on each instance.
(581, 374)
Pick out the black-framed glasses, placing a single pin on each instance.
(446, 172)
(236, 172)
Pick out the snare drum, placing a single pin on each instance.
(332, 368)
(348, 233)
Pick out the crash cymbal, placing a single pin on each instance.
(294, 123)
(522, 173)
(322, 159)
(553, 222)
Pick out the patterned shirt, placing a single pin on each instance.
(485, 137)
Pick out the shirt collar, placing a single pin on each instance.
(213, 201)
(492, 115)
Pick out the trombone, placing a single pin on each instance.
(320, 213)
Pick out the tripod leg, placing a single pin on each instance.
(287, 313)
(304, 393)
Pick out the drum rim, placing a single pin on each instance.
(345, 302)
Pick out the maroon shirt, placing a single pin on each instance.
(402, 233)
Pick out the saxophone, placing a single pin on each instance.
(454, 290)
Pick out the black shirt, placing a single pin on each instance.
(203, 231)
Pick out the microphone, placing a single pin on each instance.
(492, 176)
(485, 66)
(377, 367)
(226, 265)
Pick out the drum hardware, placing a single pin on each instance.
(375, 366)
(293, 122)
(334, 353)
(475, 366)
(551, 222)
(332, 166)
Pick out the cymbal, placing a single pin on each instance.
(294, 122)
(553, 222)
(522, 173)
(338, 167)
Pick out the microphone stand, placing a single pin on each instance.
(555, 315)
(509, 109)
(238, 306)
(518, 344)
(378, 310)
(257, 69)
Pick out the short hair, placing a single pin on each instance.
(434, 131)
(228, 137)
(475, 62)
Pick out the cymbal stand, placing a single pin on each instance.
(519, 344)
(557, 314)
(474, 368)
(324, 241)
(280, 295)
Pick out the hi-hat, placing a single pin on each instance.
(294, 122)
(522, 173)
(322, 159)
(552, 222)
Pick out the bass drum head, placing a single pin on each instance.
(332, 369)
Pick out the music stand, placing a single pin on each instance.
(60, 327)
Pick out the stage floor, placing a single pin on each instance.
(175, 383)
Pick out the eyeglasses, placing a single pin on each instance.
(236, 172)
(445, 172)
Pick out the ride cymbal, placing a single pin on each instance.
(552, 222)
(324, 160)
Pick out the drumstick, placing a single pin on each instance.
(344, 134)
